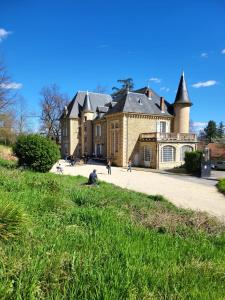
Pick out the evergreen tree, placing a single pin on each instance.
(221, 130)
(126, 84)
(211, 131)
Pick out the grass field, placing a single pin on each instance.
(60, 239)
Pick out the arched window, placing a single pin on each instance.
(184, 149)
(168, 153)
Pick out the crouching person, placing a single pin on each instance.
(93, 178)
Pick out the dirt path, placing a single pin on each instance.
(182, 193)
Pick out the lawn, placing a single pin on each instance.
(60, 239)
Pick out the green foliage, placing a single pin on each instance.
(105, 243)
(211, 131)
(193, 162)
(36, 152)
(126, 84)
(221, 130)
(221, 185)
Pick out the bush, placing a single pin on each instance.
(221, 185)
(36, 152)
(193, 162)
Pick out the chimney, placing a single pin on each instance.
(162, 104)
(148, 93)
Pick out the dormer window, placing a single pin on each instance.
(140, 101)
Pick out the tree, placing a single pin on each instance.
(221, 130)
(6, 96)
(52, 105)
(7, 122)
(100, 89)
(126, 84)
(211, 131)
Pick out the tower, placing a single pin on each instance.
(87, 116)
(182, 106)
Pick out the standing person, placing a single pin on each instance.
(109, 166)
(129, 165)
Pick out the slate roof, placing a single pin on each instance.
(77, 103)
(134, 102)
(87, 107)
(182, 96)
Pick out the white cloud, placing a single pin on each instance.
(223, 51)
(3, 34)
(165, 89)
(199, 124)
(204, 83)
(155, 79)
(11, 86)
(204, 55)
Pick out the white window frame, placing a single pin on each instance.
(114, 137)
(170, 155)
(162, 126)
(98, 130)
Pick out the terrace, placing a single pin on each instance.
(168, 137)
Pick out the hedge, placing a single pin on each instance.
(193, 162)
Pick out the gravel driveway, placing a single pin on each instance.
(183, 192)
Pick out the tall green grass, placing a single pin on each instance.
(82, 242)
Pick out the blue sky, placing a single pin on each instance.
(81, 44)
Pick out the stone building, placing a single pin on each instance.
(137, 125)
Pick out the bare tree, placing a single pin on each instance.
(100, 89)
(21, 116)
(7, 122)
(52, 105)
(6, 96)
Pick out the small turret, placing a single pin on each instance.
(87, 104)
(182, 106)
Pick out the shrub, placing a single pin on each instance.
(193, 162)
(221, 185)
(36, 152)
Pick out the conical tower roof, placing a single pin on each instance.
(87, 104)
(182, 96)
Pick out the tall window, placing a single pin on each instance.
(168, 153)
(114, 137)
(184, 149)
(98, 130)
(147, 153)
(162, 126)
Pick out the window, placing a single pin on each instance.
(162, 126)
(184, 149)
(168, 153)
(114, 137)
(98, 130)
(147, 153)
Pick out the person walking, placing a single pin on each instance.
(109, 166)
(129, 165)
